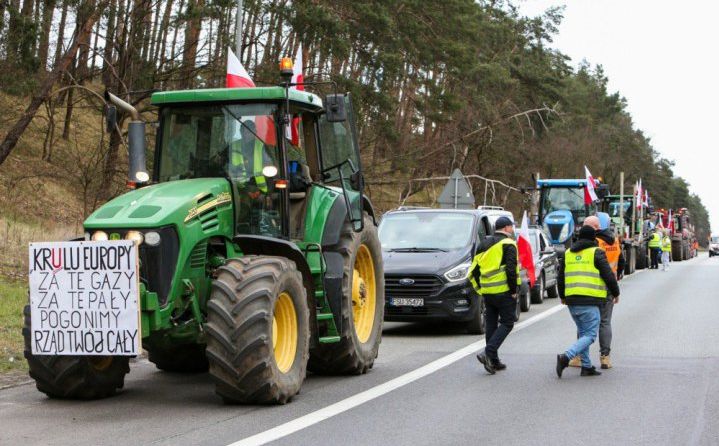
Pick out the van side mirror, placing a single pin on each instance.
(110, 118)
(335, 108)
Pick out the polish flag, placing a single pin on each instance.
(638, 198)
(237, 77)
(670, 222)
(293, 132)
(590, 196)
(524, 246)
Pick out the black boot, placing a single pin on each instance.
(499, 365)
(590, 371)
(487, 363)
(562, 363)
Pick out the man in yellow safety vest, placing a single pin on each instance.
(586, 281)
(494, 274)
(655, 248)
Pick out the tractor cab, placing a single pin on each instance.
(562, 207)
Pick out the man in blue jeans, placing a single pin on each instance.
(585, 282)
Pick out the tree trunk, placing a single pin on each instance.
(192, 35)
(81, 37)
(61, 33)
(47, 15)
(109, 43)
(163, 33)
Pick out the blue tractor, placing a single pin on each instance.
(562, 209)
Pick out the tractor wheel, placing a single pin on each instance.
(74, 377)
(478, 323)
(537, 292)
(258, 330)
(188, 358)
(363, 309)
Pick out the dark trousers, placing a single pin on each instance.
(655, 255)
(501, 312)
(605, 327)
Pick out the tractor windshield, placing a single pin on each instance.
(568, 199)
(615, 208)
(235, 141)
(218, 141)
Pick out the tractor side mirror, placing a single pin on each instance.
(110, 118)
(335, 108)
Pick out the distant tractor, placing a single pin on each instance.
(259, 254)
(562, 208)
(633, 238)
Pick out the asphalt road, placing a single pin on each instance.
(663, 389)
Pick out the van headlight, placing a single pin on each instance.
(459, 272)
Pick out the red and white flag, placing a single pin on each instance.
(670, 222)
(590, 196)
(638, 197)
(293, 131)
(524, 246)
(237, 76)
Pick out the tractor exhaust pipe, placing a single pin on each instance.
(137, 172)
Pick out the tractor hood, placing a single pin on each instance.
(560, 225)
(161, 204)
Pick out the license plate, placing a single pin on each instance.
(406, 302)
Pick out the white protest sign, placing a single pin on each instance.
(84, 298)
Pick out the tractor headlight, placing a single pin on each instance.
(99, 236)
(564, 234)
(459, 272)
(152, 238)
(135, 236)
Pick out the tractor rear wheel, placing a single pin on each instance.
(188, 358)
(74, 377)
(363, 306)
(258, 330)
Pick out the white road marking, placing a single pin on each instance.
(353, 401)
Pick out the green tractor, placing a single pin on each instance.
(259, 254)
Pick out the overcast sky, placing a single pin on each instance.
(663, 57)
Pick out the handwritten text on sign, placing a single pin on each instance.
(84, 298)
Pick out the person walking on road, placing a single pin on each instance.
(585, 282)
(494, 274)
(666, 250)
(613, 250)
(655, 248)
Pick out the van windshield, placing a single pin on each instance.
(425, 231)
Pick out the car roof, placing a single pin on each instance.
(410, 209)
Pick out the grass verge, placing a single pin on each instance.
(13, 296)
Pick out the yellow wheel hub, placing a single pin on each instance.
(284, 332)
(364, 297)
(100, 363)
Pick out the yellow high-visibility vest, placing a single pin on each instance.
(493, 275)
(655, 241)
(581, 277)
(238, 161)
(667, 244)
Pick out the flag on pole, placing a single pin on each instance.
(526, 259)
(638, 197)
(237, 77)
(293, 131)
(590, 196)
(670, 222)
(646, 199)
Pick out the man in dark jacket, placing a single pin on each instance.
(495, 276)
(606, 241)
(586, 281)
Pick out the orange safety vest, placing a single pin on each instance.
(613, 251)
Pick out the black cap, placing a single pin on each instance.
(587, 233)
(502, 222)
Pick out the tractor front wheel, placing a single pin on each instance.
(74, 377)
(363, 306)
(258, 330)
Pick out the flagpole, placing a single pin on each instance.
(238, 32)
